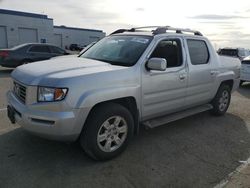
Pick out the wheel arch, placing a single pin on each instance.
(230, 83)
(127, 102)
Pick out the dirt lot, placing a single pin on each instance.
(198, 151)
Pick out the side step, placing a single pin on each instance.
(175, 116)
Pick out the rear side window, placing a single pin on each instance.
(198, 52)
(39, 49)
(56, 50)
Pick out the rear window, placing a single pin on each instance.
(56, 50)
(19, 47)
(39, 49)
(198, 52)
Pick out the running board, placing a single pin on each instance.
(175, 116)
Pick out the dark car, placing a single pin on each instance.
(75, 47)
(28, 53)
(240, 53)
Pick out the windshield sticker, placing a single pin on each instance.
(140, 40)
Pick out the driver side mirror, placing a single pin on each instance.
(158, 64)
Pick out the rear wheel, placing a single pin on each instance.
(107, 131)
(222, 100)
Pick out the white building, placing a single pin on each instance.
(22, 27)
(64, 36)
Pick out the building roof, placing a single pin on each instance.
(26, 14)
(43, 16)
(75, 28)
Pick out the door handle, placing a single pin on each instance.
(182, 76)
(214, 72)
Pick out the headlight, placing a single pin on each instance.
(47, 94)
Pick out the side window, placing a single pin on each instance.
(56, 50)
(39, 49)
(198, 52)
(169, 50)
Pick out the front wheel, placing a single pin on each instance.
(107, 131)
(222, 100)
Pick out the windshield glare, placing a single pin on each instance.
(119, 50)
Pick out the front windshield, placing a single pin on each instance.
(86, 48)
(119, 50)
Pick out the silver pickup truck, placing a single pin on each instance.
(128, 79)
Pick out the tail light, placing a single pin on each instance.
(4, 54)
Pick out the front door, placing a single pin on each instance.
(164, 92)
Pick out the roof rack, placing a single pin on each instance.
(158, 30)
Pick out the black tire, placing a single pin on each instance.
(95, 125)
(222, 100)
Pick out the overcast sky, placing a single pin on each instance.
(224, 22)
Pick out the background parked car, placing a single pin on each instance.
(27, 53)
(75, 47)
(240, 53)
(245, 70)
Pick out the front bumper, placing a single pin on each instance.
(64, 126)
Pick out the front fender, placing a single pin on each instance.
(93, 97)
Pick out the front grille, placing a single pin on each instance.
(20, 91)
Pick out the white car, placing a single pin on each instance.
(245, 70)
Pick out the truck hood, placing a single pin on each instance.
(50, 71)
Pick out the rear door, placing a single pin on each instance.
(201, 75)
(39, 52)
